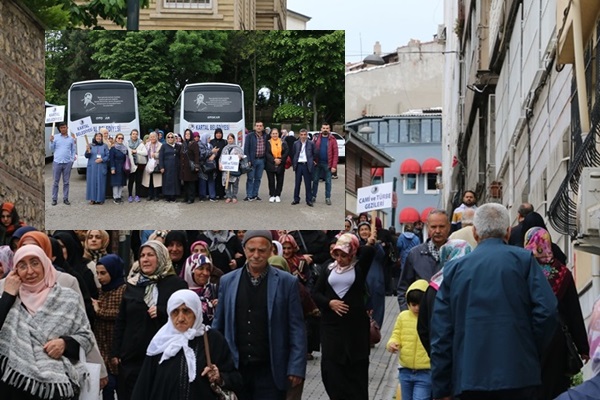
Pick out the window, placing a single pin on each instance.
(373, 136)
(436, 131)
(414, 130)
(410, 184)
(394, 132)
(188, 4)
(426, 131)
(403, 131)
(383, 132)
(431, 185)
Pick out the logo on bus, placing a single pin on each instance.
(200, 104)
(88, 100)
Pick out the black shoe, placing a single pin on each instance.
(190, 201)
(295, 202)
(156, 199)
(66, 201)
(257, 198)
(309, 204)
(149, 198)
(53, 202)
(247, 198)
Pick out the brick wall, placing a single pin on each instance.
(22, 111)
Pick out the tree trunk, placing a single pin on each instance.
(314, 107)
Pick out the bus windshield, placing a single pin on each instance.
(105, 105)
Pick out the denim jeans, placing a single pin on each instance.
(254, 177)
(316, 176)
(207, 187)
(415, 383)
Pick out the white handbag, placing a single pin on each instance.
(90, 388)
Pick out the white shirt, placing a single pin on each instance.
(302, 156)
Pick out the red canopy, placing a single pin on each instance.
(408, 214)
(429, 166)
(377, 172)
(425, 213)
(410, 166)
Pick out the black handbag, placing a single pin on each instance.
(209, 166)
(574, 362)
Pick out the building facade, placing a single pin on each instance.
(512, 121)
(211, 14)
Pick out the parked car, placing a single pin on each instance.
(340, 142)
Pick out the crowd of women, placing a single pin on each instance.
(169, 167)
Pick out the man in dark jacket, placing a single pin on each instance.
(423, 260)
(326, 159)
(516, 231)
(303, 164)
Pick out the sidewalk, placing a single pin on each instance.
(383, 370)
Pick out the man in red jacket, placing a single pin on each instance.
(326, 159)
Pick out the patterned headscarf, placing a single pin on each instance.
(538, 241)
(6, 258)
(594, 337)
(164, 268)
(192, 262)
(453, 249)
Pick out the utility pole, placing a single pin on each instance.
(133, 15)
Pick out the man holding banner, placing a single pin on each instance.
(64, 150)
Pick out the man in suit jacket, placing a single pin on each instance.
(494, 315)
(516, 232)
(260, 315)
(303, 164)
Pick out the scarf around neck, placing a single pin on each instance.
(218, 240)
(121, 147)
(276, 147)
(168, 341)
(165, 268)
(453, 249)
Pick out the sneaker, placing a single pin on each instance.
(130, 199)
(213, 200)
(137, 199)
(66, 201)
(116, 201)
(247, 198)
(272, 199)
(277, 199)
(334, 177)
(328, 202)
(53, 202)
(257, 198)
(251, 198)
(309, 204)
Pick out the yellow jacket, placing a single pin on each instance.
(412, 354)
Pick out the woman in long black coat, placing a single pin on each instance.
(189, 152)
(345, 341)
(169, 168)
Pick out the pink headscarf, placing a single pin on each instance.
(348, 243)
(196, 243)
(34, 296)
(289, 238)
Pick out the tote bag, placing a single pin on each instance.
(90, 389)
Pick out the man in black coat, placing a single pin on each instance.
(516, 233)
(303, 164)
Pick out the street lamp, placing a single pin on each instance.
(373, 59)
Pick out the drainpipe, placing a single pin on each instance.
(580, 69)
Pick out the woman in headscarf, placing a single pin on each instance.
(197, 273)
(298, 265)
(142, 312)
(453, 249)
(533, 220)
(177, 244)
(139, 152)
(276, 153)
(97, 154)
(340, 294)
(225, 248)
(589, 389)
(201, 247)
(232, 183)
(95, 246)
(43, 327)
(189, 154)
(6, 261)
(153, 181)
(375, 277)
(9, 222)
(169, 168)
(207, 178)
(349, 226)
(110, 274)
(16, 236)
(118, 177)
(176, 366)
(554, 379)
(72, 251)
(218, 143)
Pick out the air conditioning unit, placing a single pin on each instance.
(588, 205)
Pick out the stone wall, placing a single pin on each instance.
(22, 111)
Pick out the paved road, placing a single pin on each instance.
(383, 366)
(206, 215)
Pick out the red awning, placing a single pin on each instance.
(377, 172)
(429, 166)
(410, 166)
(408, 214)
(425, 213)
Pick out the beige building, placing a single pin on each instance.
(211, 14)
(296, 21)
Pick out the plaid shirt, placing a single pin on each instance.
(260, 146)
(108, 309)
(256, 281)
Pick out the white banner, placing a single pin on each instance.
(55, 114)
(82, 127)
(374, 197)
(230, 162)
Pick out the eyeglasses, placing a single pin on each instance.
(34, 264)
(119, 138)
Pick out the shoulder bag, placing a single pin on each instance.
(222, 394)
(90, 389)
(127, 163)
(573, 363)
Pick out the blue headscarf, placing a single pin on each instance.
(114, 266)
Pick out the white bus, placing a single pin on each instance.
(204, 107)
(111, 104)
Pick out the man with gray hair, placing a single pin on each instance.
(515, 232)
(493, 317)
(466, 232)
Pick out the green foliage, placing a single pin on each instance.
(290, 112)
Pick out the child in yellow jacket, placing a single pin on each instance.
(414, 372)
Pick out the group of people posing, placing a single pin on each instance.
(191, 166)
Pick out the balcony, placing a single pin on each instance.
(565, 11)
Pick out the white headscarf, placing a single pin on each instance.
(168, 340)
